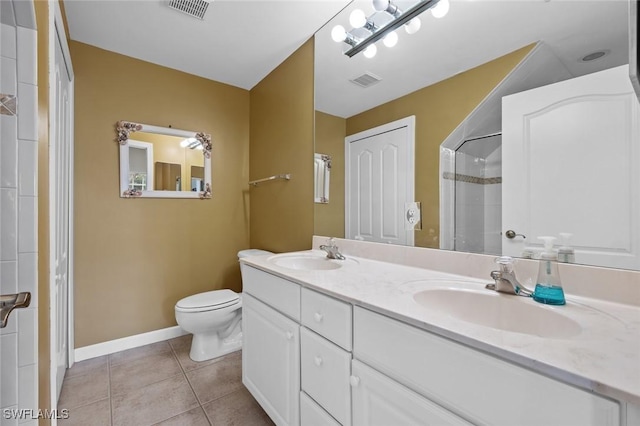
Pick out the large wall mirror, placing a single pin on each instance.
(161, 162)
(473, 33)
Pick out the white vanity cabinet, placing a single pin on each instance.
(473, 385)
(271, 344)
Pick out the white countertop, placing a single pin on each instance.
(604, 357)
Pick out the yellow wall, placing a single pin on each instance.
(44, 358)
(330, 133)
(136, 257)
(282, 110)
(439, 109)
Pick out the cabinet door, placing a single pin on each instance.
(271, 360)
(378, 400)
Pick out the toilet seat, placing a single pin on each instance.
(208, 301)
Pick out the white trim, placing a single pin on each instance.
(129, 342)
(124, 157)
(410, 124)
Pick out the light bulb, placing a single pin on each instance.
(357, 19)
(380, 5)
(370, 51)
(338, 33)
(412, 26)
(390, 39)
(187, 142)
(440, 9)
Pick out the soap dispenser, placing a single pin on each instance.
(566, 253)
(548, 287)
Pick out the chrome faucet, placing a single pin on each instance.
(333, 252)
(505, 279)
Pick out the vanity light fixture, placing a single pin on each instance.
(367, 31)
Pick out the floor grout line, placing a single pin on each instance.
(109, 391)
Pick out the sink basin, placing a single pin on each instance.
(499, 311)
(306, 262)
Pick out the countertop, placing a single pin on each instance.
(604, 357)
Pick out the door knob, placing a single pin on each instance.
(318, 317)
(9, 302)
(511, 234)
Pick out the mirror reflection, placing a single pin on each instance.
(164, 162)
(450, 76)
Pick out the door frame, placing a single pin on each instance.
(410, 124)
(57, 32)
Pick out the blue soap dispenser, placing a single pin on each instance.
(548, 287)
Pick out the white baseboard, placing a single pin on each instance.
(129, 342)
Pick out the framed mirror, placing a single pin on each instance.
(322, 171)
(161, 162)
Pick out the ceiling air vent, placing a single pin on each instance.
(366, 80)
(195, 8)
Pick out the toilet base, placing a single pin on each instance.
(209, 346)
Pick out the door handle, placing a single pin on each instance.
(511, 234)
(9, 302)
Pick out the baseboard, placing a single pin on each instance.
(129, 342)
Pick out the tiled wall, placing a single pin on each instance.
(18, 222)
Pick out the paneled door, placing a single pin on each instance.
(60, 159)
(379, 182)
(569, 152)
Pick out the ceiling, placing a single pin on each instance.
(239, 42)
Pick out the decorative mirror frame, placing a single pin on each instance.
(322, 174)
(125, 128)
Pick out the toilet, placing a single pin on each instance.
(214, 319)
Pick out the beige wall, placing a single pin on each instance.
(282, 109)
(136, 257)
(330, 132)
(439, 109)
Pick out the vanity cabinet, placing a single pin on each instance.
(471, 384)
(379, 401)
(271, 344)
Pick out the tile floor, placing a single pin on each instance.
(159, 384)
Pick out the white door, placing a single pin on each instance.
(379, 182)
(569, 154)
(271, 360)
(60, 166)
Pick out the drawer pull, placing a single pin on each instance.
(317, 361)
(318, 317)
(354, 381)
(289, 335)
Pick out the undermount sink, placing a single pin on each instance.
(306, 262)
(499, 311)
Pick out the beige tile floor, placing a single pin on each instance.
(159, 384)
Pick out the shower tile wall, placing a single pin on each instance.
(493, 204)
(18, 223)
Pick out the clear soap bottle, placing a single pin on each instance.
(548, 286)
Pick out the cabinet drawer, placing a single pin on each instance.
(380, 401)
(276, 292)
(311, 414)
(474, 385)
(327, 316)
(325, 374)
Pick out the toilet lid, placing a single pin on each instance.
(209, 300)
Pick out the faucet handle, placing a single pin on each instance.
(506, 263)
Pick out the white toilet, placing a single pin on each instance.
(214, 319)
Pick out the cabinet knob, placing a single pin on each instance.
(317, 361)
(354, 381)
(289, 335)
(318, 317)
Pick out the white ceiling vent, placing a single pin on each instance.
(366, 80)
(195, 8)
